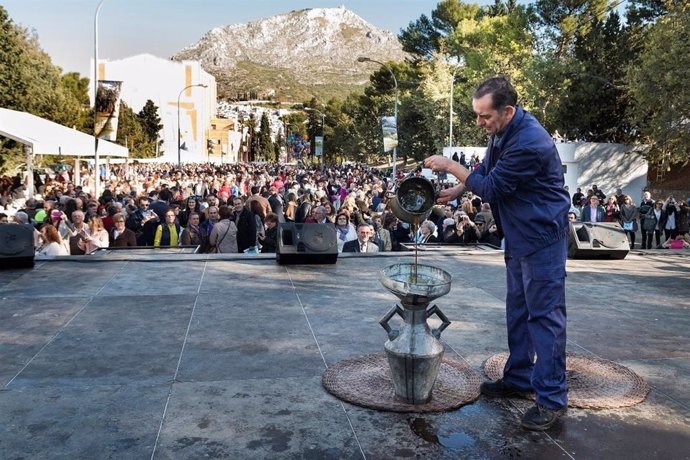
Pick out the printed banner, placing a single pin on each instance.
(318, 145)
(390, 133)
(107, 109)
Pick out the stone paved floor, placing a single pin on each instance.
(181, 356)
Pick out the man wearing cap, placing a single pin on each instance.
(487, 231)
(521, 176)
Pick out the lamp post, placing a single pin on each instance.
(450, 114)
(179, 131)
(97, 178)
(323, 124)
(395, 114)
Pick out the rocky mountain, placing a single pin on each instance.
(294, 56)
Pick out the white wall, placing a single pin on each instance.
(145, 76)
(609, 166)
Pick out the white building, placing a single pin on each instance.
(145, 76)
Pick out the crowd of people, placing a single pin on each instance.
(237, 209)
(662, 223)
(229, 209)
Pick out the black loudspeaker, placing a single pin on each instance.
(597, 241)
(306, 244)
(16, 246)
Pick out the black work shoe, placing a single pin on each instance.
(539, 418)
(499, 389)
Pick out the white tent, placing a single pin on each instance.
(48, 138)
(44, 137)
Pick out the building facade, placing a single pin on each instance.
(166, 83)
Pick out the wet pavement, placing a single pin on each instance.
(194, 356)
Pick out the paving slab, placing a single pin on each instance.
(197, 356)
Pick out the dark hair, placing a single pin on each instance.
(224, 212)
(502, 92)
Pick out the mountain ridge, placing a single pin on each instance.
(294, 55)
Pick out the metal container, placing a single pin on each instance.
(414, 351)
(413, 200)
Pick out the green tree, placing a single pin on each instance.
(658, 85)
(150, 121)
(29, 82)
(131, 134)
(78, 86)
(265, 141)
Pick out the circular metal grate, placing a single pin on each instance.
(593, 383)
(366, 382)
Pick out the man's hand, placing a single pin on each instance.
(449, 194)
(438, 163)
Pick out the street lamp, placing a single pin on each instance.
(97, 181)
(450, 115)
(323, 124)
(395, 114)
(179, 131)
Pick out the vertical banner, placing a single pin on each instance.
(318, 145)
(107, 109)
(390, 133)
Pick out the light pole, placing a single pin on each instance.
(179, 131)
(97, 178)
(323, 124)
(395, 114)
(450, 115)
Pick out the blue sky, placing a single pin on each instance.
(128, 27)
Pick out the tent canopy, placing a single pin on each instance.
(48, 138)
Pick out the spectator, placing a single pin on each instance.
(628, 215)
(245, 223)
(593, 212)
(362, 243)
(52, 243)
(427, 230)
(345, 230)
(671, 208)
(679, 242)
(207, 229)
(269, 241)
(611, 210)
(646, 205)
(192, 235)
(654, 222)
(224, 236)
(120, 236)
(168, 232)
(95, 238)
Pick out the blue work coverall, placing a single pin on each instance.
(521, 176)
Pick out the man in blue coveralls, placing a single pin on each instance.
(521, 176)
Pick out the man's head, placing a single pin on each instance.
(21, 217)
(238, 204)
(480, 222)
(77, 217)
(319, 213)
(363, 233)
(594, 200)
(494, 102)
(213, 213)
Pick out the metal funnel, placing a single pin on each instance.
(429, 283)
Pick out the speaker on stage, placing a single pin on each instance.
(17, 246)
(306, 244)
(597, 241)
